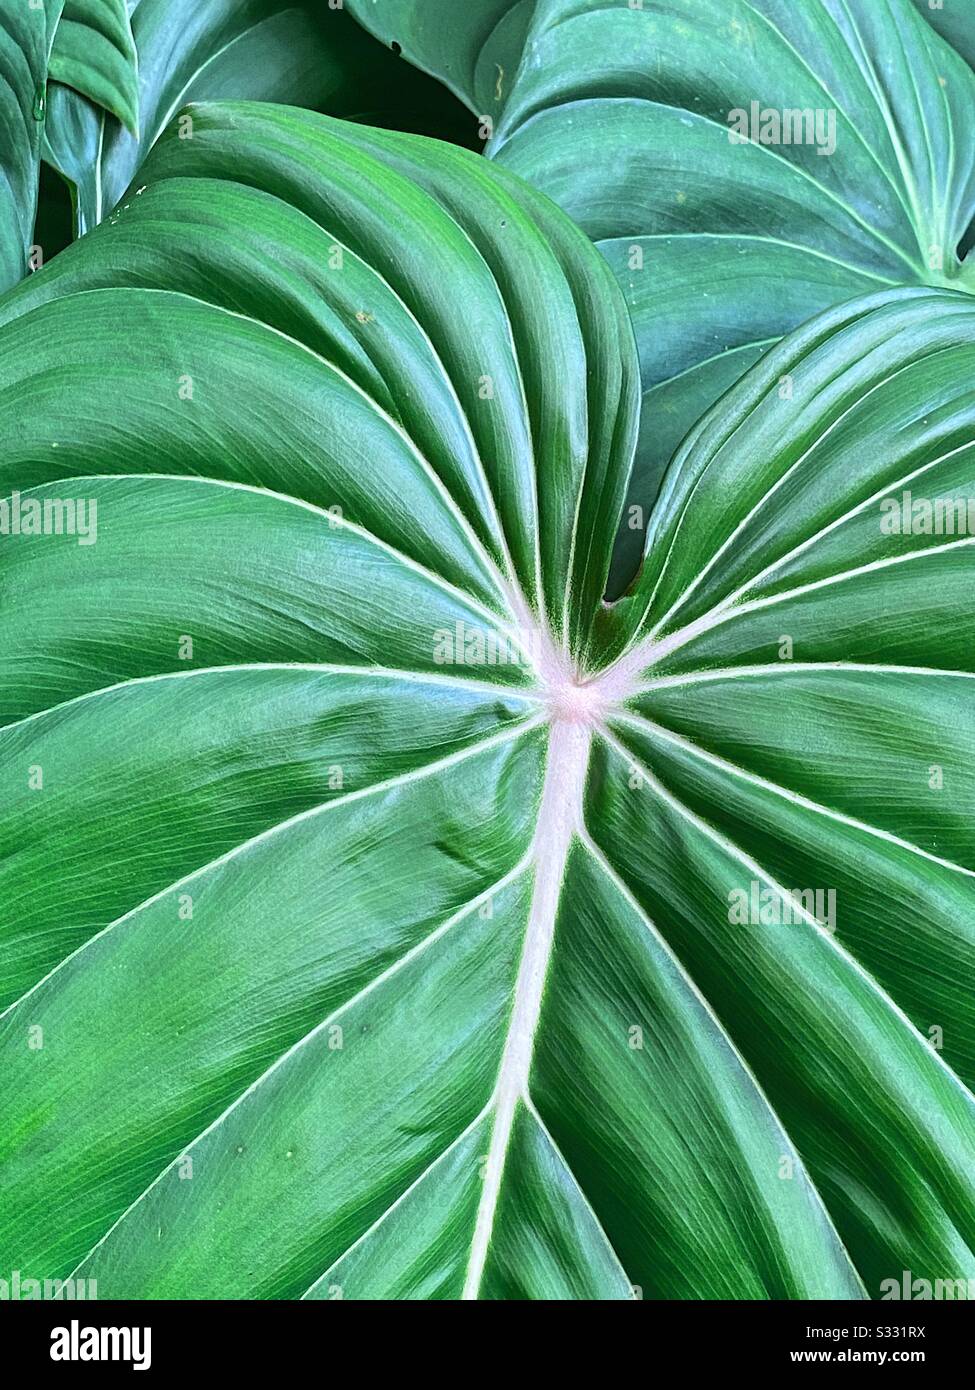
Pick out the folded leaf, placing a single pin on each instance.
(94, 53)
(26, 33)
(391, 917)
(307, 53)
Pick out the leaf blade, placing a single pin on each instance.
(94, 53)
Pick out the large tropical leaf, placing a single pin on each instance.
(341, 960)
(26, 34)
(624, 115)
(94, 53)
(305, 52)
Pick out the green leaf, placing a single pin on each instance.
(955, 21)
(94, 53)
(345, 959)
(25, 41)
(624, 116)
(474, 49)
(305, 53)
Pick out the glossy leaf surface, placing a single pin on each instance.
(741, 166)
(346, 959)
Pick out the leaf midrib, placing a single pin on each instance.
(559, 818)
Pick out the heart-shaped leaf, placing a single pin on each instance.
(94, 53)
(391, 917)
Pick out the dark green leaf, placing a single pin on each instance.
(26, 33)
(955, 21)
(305, 53)
(94, 53)
(474, 48)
